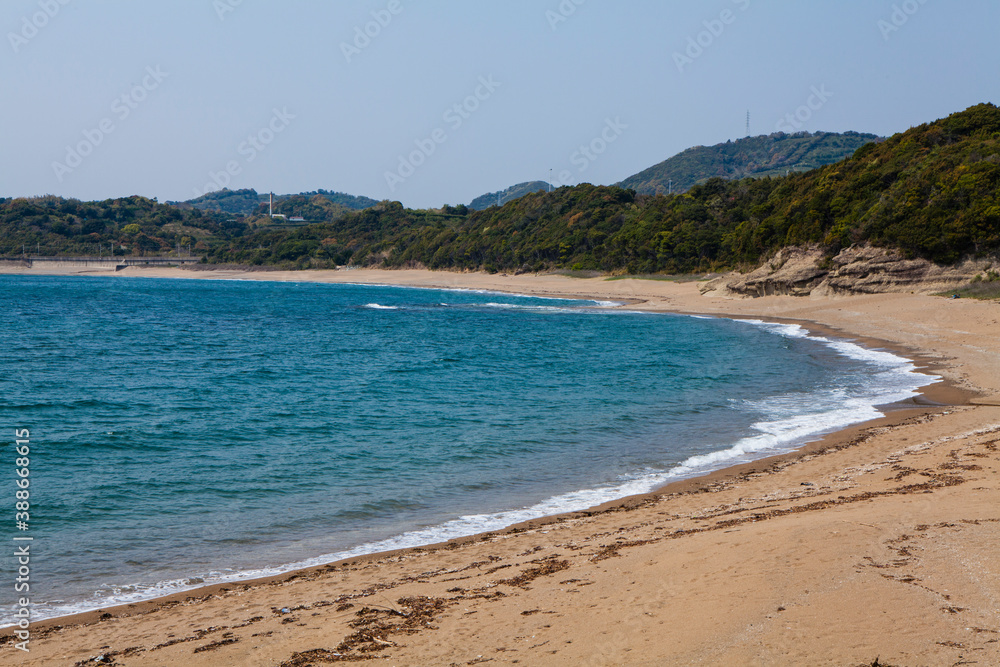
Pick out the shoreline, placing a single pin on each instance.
(950, 391)
(936, 395)
(684, 486)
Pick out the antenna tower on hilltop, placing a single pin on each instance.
(748, 122)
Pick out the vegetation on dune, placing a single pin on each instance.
(987, 287)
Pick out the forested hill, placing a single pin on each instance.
(245, 202)
(135, 225)
(510, 194)
(933, 191)
(773, 155)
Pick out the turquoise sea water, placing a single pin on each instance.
(185, 432)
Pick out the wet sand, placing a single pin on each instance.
(878, 541)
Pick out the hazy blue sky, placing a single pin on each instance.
(106, 98)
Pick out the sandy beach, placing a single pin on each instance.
(880, 541)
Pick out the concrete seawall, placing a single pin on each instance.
(106, 263)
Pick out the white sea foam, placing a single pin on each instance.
(597, 306)
(465, 290)
(793, 420)
(378, 306)
(527, 307)
(897, 377)
(460, 527)
(485, 292)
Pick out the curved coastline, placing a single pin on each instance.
(690, 473)
(709, 465)
(934, 398)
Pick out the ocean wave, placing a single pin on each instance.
(882, 359)
(779, 436)
(378, 306)
(526, 307)
(488, 292)
(847, 348)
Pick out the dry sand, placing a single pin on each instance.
(880, 541)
